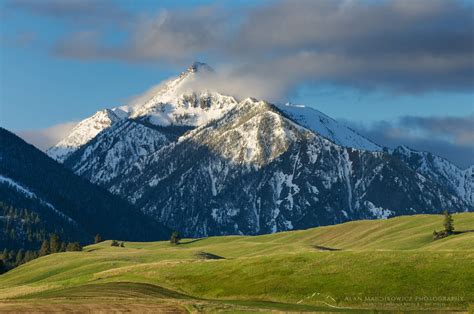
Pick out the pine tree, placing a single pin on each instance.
(97, 238)
(19, 257)
(74, 246)
(44, 250)
(448, 223)
(114, 243)
(54, 243)
(175, 237)
(29, 256)
(3, 267)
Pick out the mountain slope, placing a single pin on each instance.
(327, 127)
(207, 164)
(458, 181)
(174, 103)
(85, 131)
(255, 171)
(177, 102)
(64, 202)
(118, 147)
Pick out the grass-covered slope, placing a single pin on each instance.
(356, 265)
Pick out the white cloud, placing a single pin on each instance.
(45, 138)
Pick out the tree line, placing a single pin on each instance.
(14, 258)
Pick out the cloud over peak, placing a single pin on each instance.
(403, 46)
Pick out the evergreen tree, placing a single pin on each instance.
(19, 257)
(54, 244)
(175, 237)
(5, 254)
(97, 238)
(44, 250)
(3, 267)
(29, 256)
(11, 255)
(74, 246)
(63, 247)
(114, 243)
(448, 223)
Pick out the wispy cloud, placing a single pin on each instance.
(404, 46)
(45, 138)
(72, 11)
(449, 137)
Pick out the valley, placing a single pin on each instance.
(355, 266)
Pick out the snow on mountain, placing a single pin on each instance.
(328, 127)
(441, 170)
(65, 203)
(15, 185)
(253, 141)
(175, 102)
(117, 148)
(206, 164)
(178, 103)
(256, 171)
(28, 193)
(84, 131)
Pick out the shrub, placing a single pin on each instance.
(114, 243)
(175, 237)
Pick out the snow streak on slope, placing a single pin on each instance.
(256, 171)
(85, 131)
(28, 193)
(328, 127)
(115, 149)
(207, 164)
(439, 169)
(257, 137)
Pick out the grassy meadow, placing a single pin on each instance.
(357, 266)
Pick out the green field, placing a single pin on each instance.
(384, 264)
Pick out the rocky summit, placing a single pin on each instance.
(204, 164)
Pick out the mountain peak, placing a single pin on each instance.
(197, 66)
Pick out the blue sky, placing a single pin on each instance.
(60, 61)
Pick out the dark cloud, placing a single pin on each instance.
(403, 46)
(458, 129)
(169, 36)
(448, 137)
(70, 10)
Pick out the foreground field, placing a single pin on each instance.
(389, 264)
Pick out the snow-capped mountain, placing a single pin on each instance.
(458, 181)
(206, 164)
(174, 103)
(328, 127)
(85, 131)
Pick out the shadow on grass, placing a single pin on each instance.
(462, 231)
(191, 241)
(206, 255)
(325, 248)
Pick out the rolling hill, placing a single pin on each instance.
(361, 265)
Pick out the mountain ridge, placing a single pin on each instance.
(251, 167)
(65, 203)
